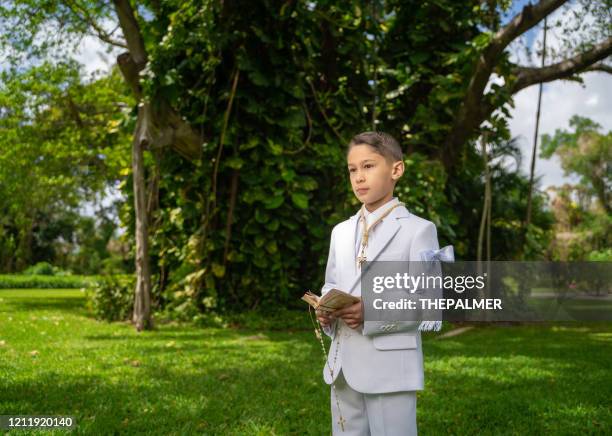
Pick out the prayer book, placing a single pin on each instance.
(332, 300)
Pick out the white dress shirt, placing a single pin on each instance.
(370, 218)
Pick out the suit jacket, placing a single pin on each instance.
(382, 356)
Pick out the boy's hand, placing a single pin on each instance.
(352, 315)
(325, 319)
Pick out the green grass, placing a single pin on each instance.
(536, 379)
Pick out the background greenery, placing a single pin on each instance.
(274, 91)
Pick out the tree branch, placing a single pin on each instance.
(522, 22)
(164, 125)
(74, 111)
(98, 30)
(129, 70)
(228, 111)
(527, 76)
(316, 98)
(131, 32)
(468, 115)
(525, 20)
(486, 108)
(599, 67)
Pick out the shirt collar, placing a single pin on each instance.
(370, 216)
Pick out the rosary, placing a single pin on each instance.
(319, 335)
(366, 231)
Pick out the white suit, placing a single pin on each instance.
(380, 357)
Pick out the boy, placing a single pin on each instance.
(374, 370)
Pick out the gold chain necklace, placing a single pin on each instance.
(365, 234)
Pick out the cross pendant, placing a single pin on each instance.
(360, 260)
(341, 421)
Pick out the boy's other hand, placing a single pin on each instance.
(352, 315)
(325, 319)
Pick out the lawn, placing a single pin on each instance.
(54, 359)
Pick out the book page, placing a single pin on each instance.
(336, 299)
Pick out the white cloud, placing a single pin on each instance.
(560, 101)
(94, 55)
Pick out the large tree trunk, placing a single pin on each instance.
(142, 299)
(158, 125)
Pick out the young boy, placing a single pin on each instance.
(374, 370)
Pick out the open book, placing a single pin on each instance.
(332, 300)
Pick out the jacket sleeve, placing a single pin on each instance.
(425, 239)
(331, 280)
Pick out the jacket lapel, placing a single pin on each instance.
(345, 247)
(385, 232)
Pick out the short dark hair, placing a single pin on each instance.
(383, 143)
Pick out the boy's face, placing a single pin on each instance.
(372, 176)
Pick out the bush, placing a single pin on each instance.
(601, 255)
(9, 281)
(111, 298)
(45, 269)
(40, 269)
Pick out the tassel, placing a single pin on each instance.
(426, 326)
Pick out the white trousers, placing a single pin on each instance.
(388, 414)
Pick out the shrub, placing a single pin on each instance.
(44, 281)
(111, 298)
(601, 255)
(41, 269)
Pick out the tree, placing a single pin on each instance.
(157, 124)
(261, 96)
(59, 145)
(587, 153)
(492, 57)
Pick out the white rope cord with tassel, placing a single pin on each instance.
(445, 254)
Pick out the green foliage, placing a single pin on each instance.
(41, 268)
(422, 189)
(97, 248)
(111, 298)
(601, 255)
(282, 144)
(63, 141)
(302, 91)
(465, 195)
(587, 153)
(563, 138)
(590, 236)
(584, 226)
(44, 281)
(249, 224)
